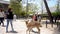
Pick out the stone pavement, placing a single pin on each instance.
(20, 28)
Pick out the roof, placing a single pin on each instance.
(4, 2)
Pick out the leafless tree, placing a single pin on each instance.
(48, 11)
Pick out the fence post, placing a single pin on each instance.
(46, 23)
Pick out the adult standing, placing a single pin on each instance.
(2, 15)
(9, 15)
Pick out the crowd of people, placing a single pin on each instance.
(9, 16)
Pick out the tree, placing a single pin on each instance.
(1, 5)
(31, 8)
(48, 11)
(16, 6)
(19, 1)
(56, 14)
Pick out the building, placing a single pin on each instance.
(4, 4)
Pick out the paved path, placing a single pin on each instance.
(20, 28)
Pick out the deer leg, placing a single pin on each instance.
(30, 29)
(27, 30)
(38, 30)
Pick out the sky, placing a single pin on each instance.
(51, 3)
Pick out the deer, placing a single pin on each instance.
(31, 25)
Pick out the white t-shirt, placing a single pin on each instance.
(14, 16)
(1, 14)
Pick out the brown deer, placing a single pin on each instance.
(33, 24)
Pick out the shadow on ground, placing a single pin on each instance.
(56, 30)
(4, 26)
(12, 32)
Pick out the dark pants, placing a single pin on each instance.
(1, 19)
(35, 19)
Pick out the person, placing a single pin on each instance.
(39, 18)
(2, 15)
(35, 17)
(15, 17)
(9, 15)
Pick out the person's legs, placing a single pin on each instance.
(11, 25)
(7, 25)
(2, 21)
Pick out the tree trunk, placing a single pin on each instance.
(49, 13)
